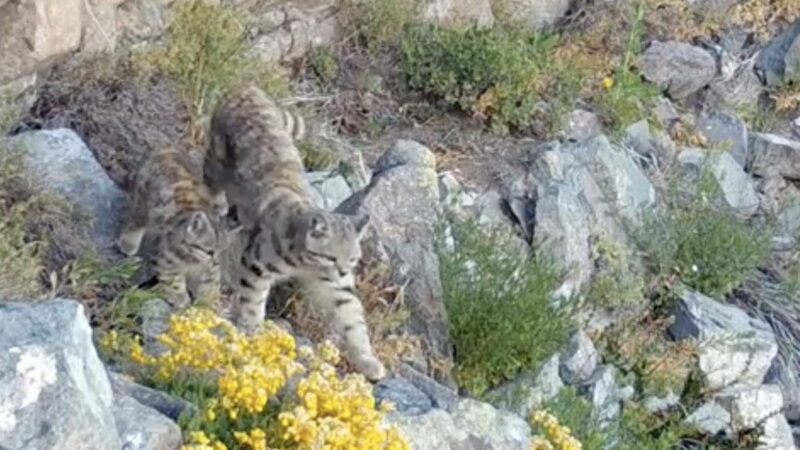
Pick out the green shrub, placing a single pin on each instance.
(708, 248)
(575, 412)
(324, 65)
(626, 95)
(379, 22)
(206, 51)
(503, 74)
(500, 317)
(617, 282)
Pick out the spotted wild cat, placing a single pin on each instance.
(170, 201)
(253, 159)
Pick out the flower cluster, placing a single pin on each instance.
(555, 436)
(335, 413)
(243, 387)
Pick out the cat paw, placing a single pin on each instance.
(370, 367)
(127, 248)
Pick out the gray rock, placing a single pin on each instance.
(779, 61)
(649, 143)
(727, 131)
(579, 360)
(750, 405)
(733, 347)
(713, 6)
(661, 404)
(680, 68)
(459, 13)
(407, 399)
(529, 391)
(602, 392)
(471, 426)
(328, 189)
(36, 33)
(582, 125)
(154, 315)
(623, 184)
(741, 88)
(533, 13)
(775, 153)
(783, 374)
(736, 192)
(168, 405)
(776, 434)
(143, 428)
(54, 392)
(711, 418)
(63, 165)
(402, 200)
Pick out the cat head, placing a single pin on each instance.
(328, 240)
(197, 234)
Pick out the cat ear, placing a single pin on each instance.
(360, 221)
(198, 222)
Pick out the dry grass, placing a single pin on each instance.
(765, 17)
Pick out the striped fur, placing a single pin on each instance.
(253, 159)
(170, 201)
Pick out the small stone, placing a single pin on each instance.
(328, 189)
(166, 404)
(407, 399)
(726, 131)
(661, 404)
(579, 360)
(601, 390)
(582, 125)
(680, 68)
(459, 13)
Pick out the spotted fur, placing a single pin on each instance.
(170, 201)
(253, 159)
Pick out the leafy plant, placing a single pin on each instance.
(379, 22)
(500, 317)
(206, 51)
(708, 248)
(324, 65)
(616, 281)
(500, 73)
(575, 413)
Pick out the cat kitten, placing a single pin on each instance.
(170, 201)
(254, 160)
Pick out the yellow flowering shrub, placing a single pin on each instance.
(554, 435)
(258, 392)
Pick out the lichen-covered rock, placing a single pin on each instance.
(63, 165)
(402, 200)
(529, 391)
(711, 418)
(682, 69)
(733, 347)
(54, 392)
(471, 425)
(579, 360)
(143, 428)
(459, 13)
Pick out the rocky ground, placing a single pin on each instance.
(611, 233)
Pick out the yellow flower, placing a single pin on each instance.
(607, 83)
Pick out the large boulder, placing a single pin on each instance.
(63, 165)
(736, 192)
(402, 200)
(779, 61)
(54, 391)
(35, 32)
(471, 425)
(679, 68)
(733, 347)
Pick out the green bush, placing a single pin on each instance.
(503, 74)
(206, 51)
(324, 65)
(378, 22)
(500, 317)
(617, 282)
(575, 412)
(706, 247)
